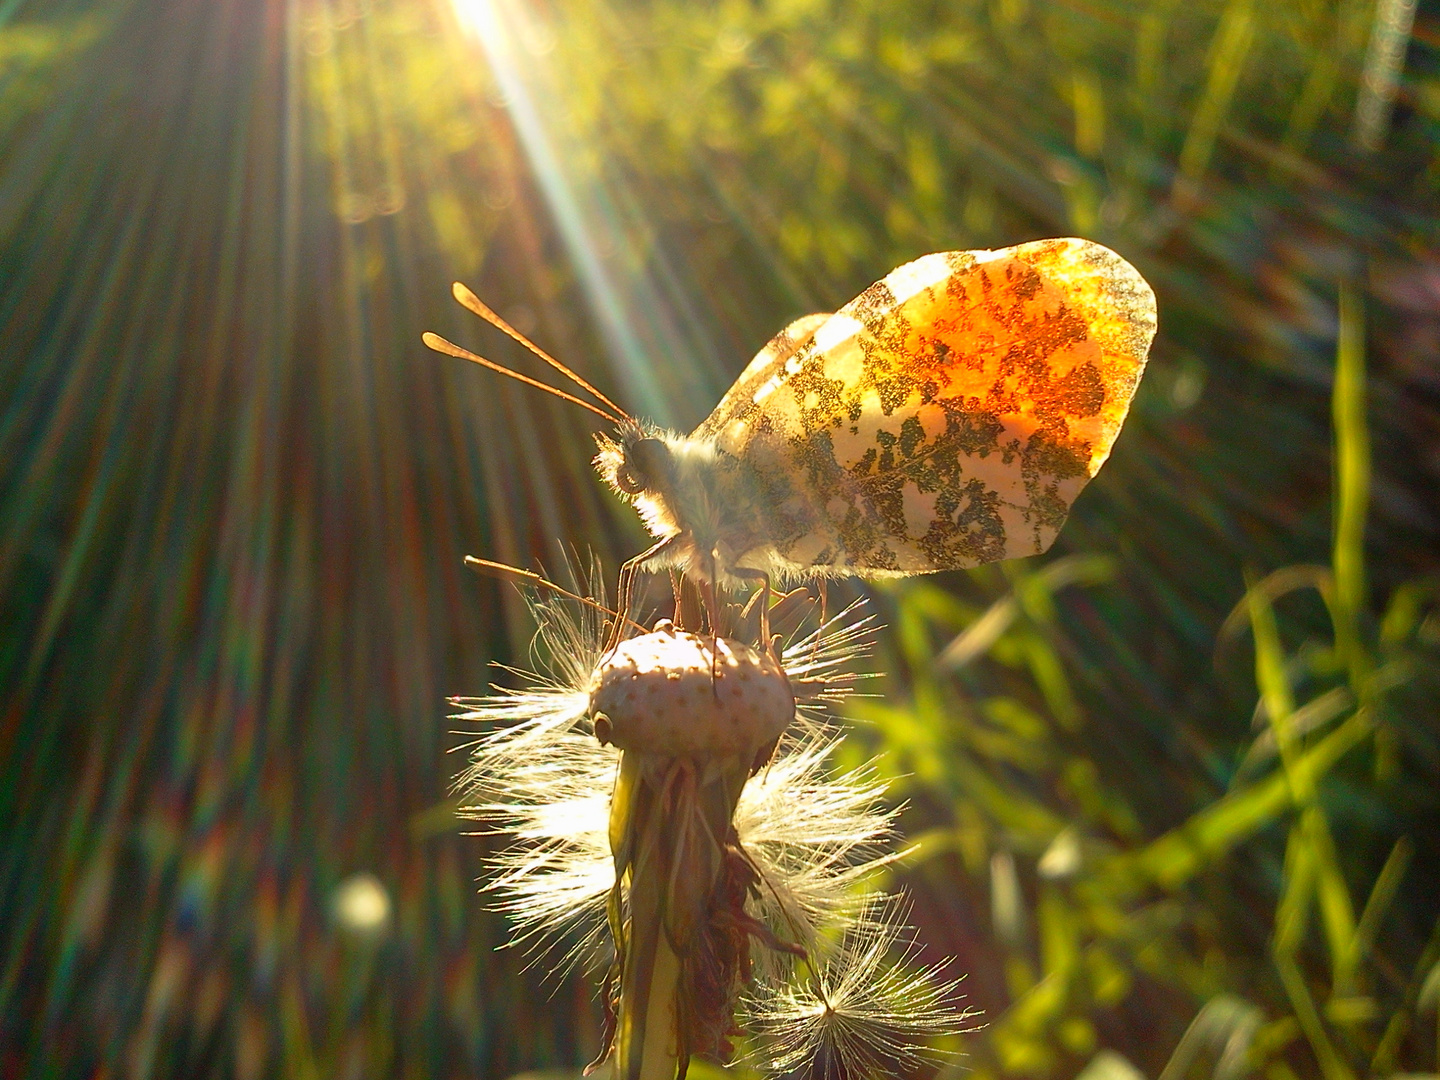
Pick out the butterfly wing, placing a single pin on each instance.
(768, 362)
(949, 415)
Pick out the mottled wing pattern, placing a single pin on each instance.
(768, 362)
(949, 415)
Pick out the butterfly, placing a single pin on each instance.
(948, 416)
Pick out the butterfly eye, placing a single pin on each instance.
(647, 461)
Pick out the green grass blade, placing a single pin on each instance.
(1332, 1066)
(1387, 883)
(1337, 910)
(1383, 1061)
(1272, 680)
(1226, 1024)
(1175, 857)
(1292, 914)
(1352, 477)
(1228, 52)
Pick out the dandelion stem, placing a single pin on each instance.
(670, 823)
(658, 1055)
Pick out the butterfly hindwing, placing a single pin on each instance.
(949, 415)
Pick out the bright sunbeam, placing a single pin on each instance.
(587, 221)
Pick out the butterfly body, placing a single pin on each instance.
(722, 514)
(946, 417)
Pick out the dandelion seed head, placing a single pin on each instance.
(856, 1004)
(553, 878)
(538, 774)
(821, 664)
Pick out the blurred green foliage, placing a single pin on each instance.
(234, 493)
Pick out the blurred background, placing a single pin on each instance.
(1173, 785)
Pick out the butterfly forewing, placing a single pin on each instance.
(948, 416)
(769, 363)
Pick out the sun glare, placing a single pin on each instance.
(630, 314)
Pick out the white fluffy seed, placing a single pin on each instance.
(668, 693)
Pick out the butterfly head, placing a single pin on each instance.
(639, 464)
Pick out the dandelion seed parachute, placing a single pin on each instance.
(863, 1012)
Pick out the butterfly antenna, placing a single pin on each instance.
(472, 302)
(440, 345)
(506, 572)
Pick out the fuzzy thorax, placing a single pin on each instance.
(698, 498)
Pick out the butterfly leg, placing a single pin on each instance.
(626, 587)
(712, 604)
(677, 587)
(764, 600)
(824, 590)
